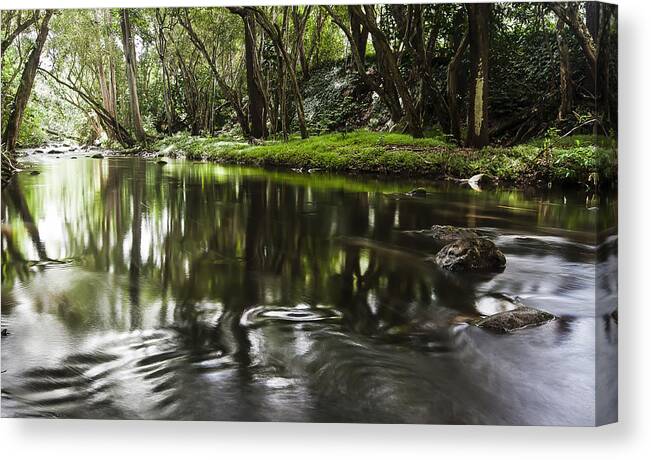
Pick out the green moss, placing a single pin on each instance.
(391, 153)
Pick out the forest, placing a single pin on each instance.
(267, 85)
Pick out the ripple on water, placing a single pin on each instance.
(264, 314)
(497, 302)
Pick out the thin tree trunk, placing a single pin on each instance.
(130, 59)
(478, 23)
(20, 28)
(282, 95)
(374, 81)
(230, 94)
(106, 85)
(25, 87)
(603, 70)
(110, 123)
(275, 35)
(595, 48)
(388, 58)
(313, 53)
(453, 89)
(161, 46)
(566, 90)
(300, 24)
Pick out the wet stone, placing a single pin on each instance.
(513, 320)
(418, 192)
(471, 254)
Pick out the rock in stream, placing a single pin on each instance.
(471, 254)
(509, 321)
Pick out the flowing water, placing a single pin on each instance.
(207, 292)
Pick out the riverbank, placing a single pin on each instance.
(8, 167)
(572, 161)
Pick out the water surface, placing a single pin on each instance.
(206, 292)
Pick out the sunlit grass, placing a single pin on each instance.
(571, 161)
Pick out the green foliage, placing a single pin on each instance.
(31, 132)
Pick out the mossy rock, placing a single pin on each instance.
(471, 254)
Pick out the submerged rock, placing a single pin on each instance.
(54, 151)
(470, 254)
(419, 192)
(451, 233)
(512, 320)
(99, 156)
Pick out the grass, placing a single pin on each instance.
(572, 160)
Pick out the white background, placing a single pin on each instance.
(630, 438)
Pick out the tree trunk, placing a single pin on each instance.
(282, 96)
(109, 123)
(277, 38)
(313, 53)
(254, 86)
(592, 17)
(299, 20)
(478, 27)
(373, 80)
(453, 89)
(25, 87)
(603, 71)
(593, 36)
(130, 59)
(229, 93)
(566, 90)
(360, 37)
(161, 47)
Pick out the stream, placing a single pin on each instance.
(200, 291)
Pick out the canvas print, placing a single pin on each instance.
(379, 213)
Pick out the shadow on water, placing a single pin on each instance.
(204, 292)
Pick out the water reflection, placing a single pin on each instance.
(197, 291)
